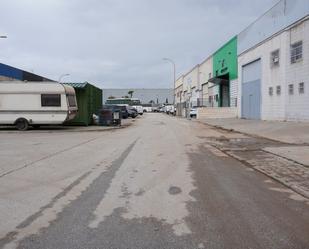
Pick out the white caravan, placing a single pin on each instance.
(25, 104)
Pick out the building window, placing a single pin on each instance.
(278, 90)
(270, 91)
(274, 58)
(296, 52)
(217, 97)
(50, 100)
(291, 89)
(301, 88)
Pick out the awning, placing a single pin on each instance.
(220, 80)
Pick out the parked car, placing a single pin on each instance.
(25, 104)
(139, 109)
(131, 111)
(147, 109)
(122, 108)
(193, 112)
(156, 109)
(172, 110)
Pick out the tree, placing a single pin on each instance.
(151, 102)
(111, 97)
(131, 93)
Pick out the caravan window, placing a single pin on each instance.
(50, 100)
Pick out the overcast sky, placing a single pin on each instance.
(119, 43)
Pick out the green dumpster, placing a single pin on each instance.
(89, 101)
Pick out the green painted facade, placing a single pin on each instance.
(89, 101)
(225, 67)
(225, 60)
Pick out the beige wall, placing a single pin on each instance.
(179, 94)
(205, 69)
(190, 83)
(178, 89)
(3, 78)
(216, 112)
(205, 73)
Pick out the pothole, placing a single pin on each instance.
(173, 190)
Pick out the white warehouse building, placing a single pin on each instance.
(273, 64)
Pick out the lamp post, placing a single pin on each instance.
(61, 76)
(174, 67)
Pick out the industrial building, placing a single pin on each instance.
(273, 64)
(8, 73)
(146, 96)
(262, 73)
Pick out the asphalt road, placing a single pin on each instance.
(155, 184)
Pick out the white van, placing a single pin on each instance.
(139, 109)
(33, 104)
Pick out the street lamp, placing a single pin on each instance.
(174, 67)
(61, 76)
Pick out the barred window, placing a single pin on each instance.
(301, 88)
(270, 91)
(278, 90)
(291, 89)
(296, 52)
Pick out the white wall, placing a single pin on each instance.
(233, 93)
(297, 105)
(283, 106)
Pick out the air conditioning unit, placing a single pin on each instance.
(276, 60)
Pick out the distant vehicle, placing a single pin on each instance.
(122, 108)
(131, 111)
(25, 104)
(139, 109)
(193, 112)
(168, 109)
(172, 110)
(123, 101)
(147, 109)
(156, 109)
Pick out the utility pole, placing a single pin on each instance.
(174, 67)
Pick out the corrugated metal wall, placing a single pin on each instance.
(251, 90)
(283, 14)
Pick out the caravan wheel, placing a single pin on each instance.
(22, 124)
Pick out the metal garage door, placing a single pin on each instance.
(251, 91)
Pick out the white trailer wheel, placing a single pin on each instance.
(22, 124)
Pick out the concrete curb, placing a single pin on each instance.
(251, 134)
(66, 130)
